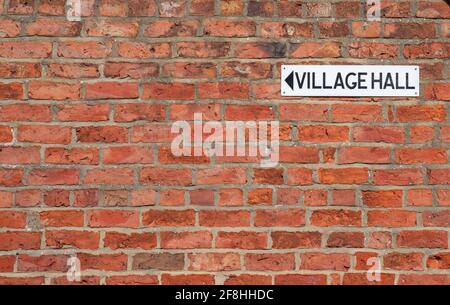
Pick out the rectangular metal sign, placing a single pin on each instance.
(349, 80)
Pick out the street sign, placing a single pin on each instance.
(349, 80)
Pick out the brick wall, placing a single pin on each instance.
(87, 171)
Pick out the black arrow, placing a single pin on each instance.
(290, 80)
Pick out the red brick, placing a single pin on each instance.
(423, 279)
(84, 49)
(260, 196)
(50, 134)
(388, 134)
(241, 240)
(62, 218)
(10, 177)
(397, 176)
(186, 240)
(19, 155)
(323, 133)
(291, 240)
(300, 279)
(165, 176)
(221, 176)
(382, 198)
(113, 218)
(109, 262)
(269, 261)
(83, 112)
(420, 197)
(131, 70)
(14, 220)
(168, 28)
(57, 198)
(289, 8)
(42, 263)
(280, 218)
(296, 154)
(248, 279)
(53, 176)
(372, 50)
(143, 50)
(260, 50)
(214, 262)
(356, 113)
(248, 112)
(127, 155)
(53, 27)
(116, 240)
(366, 29)
(6, 199)
(111, 28)
(427, 50)
(436, 219)
(273, 29)
(152, 133)
(410, 30)
(102, 134)
(229, 28)
(364, 154)
(421, 134)
(78, 239)
(47, 90)
(15, 240)
(422, 239)
(391, 218)
(443, 197)
(439, 176)
(25, 49)
(315, 50)
(380, 240)
(343, 175)
(333, 29)
(51, 7)
(346, 240)
(132, 280)
(168, 91)
(7, 263)
(362, 279)
(59, 155)
(10, 28)
(202, 49)
(223, 90)
(224, 218)
(421, 155)
(158, 261)
(73, 70)
(6, 134)
(168, 218)
(327, 218)
(427, 9)
(142, 7)
(111, 90)
(439, 261)
(109, 176)
(129, 112)
(325, 261)
(437, 91)
(187, 279)
(189, 70)
(11, 91)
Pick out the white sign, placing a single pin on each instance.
(351, 80)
